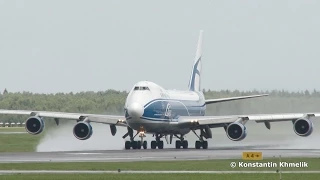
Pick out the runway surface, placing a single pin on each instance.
(59, 145)
(3, 172)
(149, 155)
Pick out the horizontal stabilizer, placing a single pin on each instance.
(211, 101)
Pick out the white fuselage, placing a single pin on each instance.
(152, 109)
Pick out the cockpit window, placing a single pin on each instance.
(141, 88)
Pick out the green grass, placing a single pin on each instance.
(196, 165)
(18, 142)
(12, 129)
(160, 176)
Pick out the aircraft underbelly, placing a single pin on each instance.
(157, 126)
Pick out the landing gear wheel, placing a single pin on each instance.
(160, 144)
(153, 144)
(205, 144)
(134, 144)
(185, 144)
(127, 145)
(178, 144)
(198, 145)
(139, 144)
(145, 145)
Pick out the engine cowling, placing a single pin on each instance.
(34, 125)
(113, 129)
(236, 131)
(303, 127)
(82, 130)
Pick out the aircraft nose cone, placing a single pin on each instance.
(135, 110)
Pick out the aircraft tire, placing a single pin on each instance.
(160, 144)
(153, 144)
(198, 145)
(139, 144)
(205, 144)
(134, 144)
(178, 144)
(145, 145)
(185, 144)
(127, 145)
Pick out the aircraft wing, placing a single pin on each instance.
(210, 101)
(222, 121)
(98, 118)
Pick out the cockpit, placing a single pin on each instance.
(141, 88)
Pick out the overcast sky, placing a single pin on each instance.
(63, 46)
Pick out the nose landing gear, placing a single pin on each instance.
(142, 143)
(135, 144)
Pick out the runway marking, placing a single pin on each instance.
(13, 132)
(84, 153)
(88, 159)
(148, 172)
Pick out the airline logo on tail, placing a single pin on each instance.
(195, 79)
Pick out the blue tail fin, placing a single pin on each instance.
(195, 79)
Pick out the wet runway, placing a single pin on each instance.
(59, 145)
(150, 155)
(4, 172)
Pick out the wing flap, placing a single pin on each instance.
(218, 121)
(277, 117)
(212, 121)
(108, 120)
(17, 112)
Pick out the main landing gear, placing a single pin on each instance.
(157, 143)
(181, 143)
(201, 142)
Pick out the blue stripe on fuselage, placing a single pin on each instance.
(158, 109)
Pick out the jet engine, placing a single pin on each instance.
(303, 127)
(34, 125)
(82, 130)
(236, 131)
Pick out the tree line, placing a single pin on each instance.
(112, 102)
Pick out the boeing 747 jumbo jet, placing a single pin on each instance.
(151, 109)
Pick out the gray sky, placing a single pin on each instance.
(62, 46)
